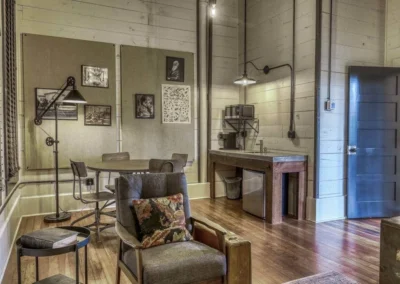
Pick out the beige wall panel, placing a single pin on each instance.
(143, 72)
(47, 62)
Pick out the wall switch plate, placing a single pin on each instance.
(329, 105)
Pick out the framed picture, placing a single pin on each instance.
(97, 115)
(65, 111)
(176, 106)
(175, 69)
(144, 106)
(94, 76)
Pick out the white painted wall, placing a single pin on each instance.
(225, 69)
(358, 39)
(392, 57)
(156, 24)
(269, 42)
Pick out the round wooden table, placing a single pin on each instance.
(124, 167)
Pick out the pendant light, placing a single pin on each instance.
(245, 79)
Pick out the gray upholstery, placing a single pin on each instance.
(144, 186)
(182, 158)
(165, 166)
(185, 262)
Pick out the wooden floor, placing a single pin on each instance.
(280, 253)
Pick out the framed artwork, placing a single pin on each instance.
(97, 115)
(94, 76)
(144, 105)
(45, 96)
(176, 106)
(175, 69)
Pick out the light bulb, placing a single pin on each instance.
(213, 10)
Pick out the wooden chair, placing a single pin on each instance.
(80, 175)
(121, 156)
(182, 158)
(165, 166)
(194, 261)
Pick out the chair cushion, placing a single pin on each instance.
(162, 220)
(177, 263)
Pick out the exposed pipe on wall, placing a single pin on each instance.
(318, 45)
(330, 50)
(292, 133)
(210, 23)
(198, 88)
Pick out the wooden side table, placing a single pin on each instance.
(389, 269)
(83, 241)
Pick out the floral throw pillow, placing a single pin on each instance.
(162, 220)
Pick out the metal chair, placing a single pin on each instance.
(80, 175)
(165, 166)
(114, 157)
(182, 158)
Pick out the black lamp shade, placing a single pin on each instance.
(74, 97)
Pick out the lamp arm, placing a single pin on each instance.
(69, 83)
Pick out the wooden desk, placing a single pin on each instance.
(273, 165)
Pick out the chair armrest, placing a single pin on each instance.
(127, 237)
(209, 224)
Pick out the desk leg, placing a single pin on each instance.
(19, 265)
(212, 179)
(274, 197)
(37, 268)
(97, 186)
(301, 193)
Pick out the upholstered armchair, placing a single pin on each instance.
(202, 260)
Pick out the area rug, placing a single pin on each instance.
(324, 278)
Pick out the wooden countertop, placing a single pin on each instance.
(270, 156)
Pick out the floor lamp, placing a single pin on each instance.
(72, 97)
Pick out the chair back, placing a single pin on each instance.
(180, 157)
(144, 186)
(79, 171)
(165, 166)
(115, 156)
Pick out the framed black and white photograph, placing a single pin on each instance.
(94, 76)
(97, 115)
(175, 69)
(144, 106)
(44, 97)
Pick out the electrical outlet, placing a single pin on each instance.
(89, 181)
(329, 105)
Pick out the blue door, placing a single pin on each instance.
(373, 142)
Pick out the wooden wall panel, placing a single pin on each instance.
(47, 62)
(143, 71)
(269, 42)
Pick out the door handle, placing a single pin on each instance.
(351, 150)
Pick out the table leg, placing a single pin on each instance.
(77, 265)
(37, 268)
(86, 266)
(19, 265)
(212, 179)
(274, 197)
(301, 193)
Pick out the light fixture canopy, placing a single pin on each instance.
(245, 80)
(74, 97)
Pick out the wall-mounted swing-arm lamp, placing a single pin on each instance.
(245, 80)
(75, 97)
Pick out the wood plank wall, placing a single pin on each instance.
(392, 33)
(166, 24)
(358, 39)
(225, 70)
(269, 42)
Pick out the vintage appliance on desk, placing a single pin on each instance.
(239, 112)
(229, 141)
